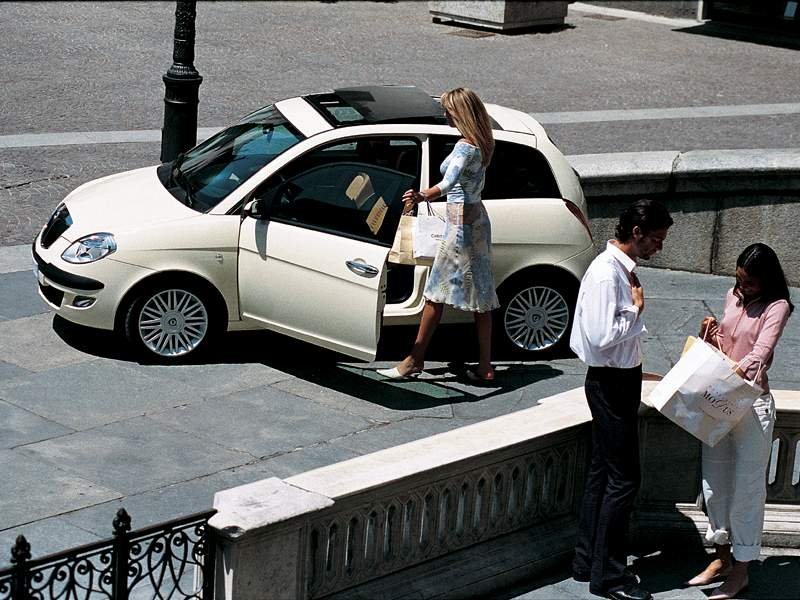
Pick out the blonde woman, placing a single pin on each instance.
(461, 275)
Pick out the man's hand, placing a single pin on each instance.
(637, 292)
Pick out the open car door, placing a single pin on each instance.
(312, 263)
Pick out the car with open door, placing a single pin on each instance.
(285, 220)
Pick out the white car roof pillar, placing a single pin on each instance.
(303, 116)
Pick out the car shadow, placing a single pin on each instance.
(453, 345)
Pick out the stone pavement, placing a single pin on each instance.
(86, 429)
(774, 576)
(102, 65)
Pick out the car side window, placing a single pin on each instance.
(353, 188)
(516, 171)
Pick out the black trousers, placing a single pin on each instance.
(614, 476)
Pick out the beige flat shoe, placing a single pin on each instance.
(710, 574)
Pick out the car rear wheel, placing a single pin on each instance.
(535, 317)
(170, 323)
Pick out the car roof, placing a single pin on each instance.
(369, 105)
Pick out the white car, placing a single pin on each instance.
(284, 221)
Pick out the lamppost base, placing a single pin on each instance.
(180, 115)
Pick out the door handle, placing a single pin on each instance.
(359, 267)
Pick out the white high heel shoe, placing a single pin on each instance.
(394, 373)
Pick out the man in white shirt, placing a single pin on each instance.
(606, 336)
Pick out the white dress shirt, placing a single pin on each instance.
(607, 327)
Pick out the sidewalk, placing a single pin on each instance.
(86, 430)
(774, 576)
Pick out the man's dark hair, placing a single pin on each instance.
(648, 215)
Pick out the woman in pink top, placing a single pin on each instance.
(734, 487)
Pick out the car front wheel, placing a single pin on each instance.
(169, 323)
(535, 317)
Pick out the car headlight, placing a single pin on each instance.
(90, 248)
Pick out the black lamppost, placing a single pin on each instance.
(182, 82)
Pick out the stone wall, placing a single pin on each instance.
(721, 201)
(684, 9)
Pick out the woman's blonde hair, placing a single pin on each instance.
(471, 119)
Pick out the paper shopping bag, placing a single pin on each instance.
(703, 394)
(402, 252)
(428, 234)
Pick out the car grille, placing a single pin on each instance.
(58, 224)
(53, 295)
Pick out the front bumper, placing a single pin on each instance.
(88, 294)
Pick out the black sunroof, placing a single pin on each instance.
(378, 104)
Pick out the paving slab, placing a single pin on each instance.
(19, 426)
(262, 422)
(217, 379)
(16, 258)
(389, 402)
(34, 489)
(95, 393)
(396, 433)
(32, 343)
(136, 455)
(9, 371)
(48, 536)
(149, 508)
(773, 576)
(19, 296)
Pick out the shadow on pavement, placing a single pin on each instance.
(454, 345)
(469, 30)
(740, 33)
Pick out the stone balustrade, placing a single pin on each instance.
(467, 511)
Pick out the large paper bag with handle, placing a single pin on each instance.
(703, 394)
(428, 234)
(402, 251)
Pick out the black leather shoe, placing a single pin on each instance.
(630, 592)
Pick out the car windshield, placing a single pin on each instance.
(206, 174)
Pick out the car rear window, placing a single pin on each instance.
(516, 171)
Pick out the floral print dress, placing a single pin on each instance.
(461, 275)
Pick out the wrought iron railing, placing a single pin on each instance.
(172, 560)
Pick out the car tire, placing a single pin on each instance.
(169, 322)
(535, 316)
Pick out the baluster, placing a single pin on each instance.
(409, 521)
(119, 564)
(513, 495)
(496, 502)
(209, 558)
(445, 517)
(461, 511)
(20, 555)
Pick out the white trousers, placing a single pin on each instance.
(734, 481)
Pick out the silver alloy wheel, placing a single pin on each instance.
(173, 322)
(536, 318)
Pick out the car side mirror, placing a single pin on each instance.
(254, 209)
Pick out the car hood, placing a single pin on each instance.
(121, 203)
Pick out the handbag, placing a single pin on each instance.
(428, 234)
(703, 394)
(402, 251)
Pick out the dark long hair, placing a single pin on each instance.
(761, 262)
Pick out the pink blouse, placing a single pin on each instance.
(748, 334)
